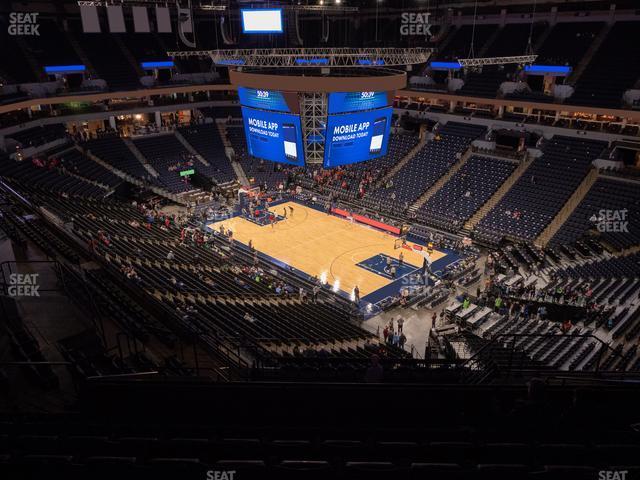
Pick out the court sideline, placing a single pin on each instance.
(317, 244)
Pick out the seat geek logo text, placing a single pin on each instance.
(23, 24)
(612, 474)
(415, 24)
(23, 285)
(221, 474)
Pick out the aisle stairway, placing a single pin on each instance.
(490, 41)
(501, 192)
(398, 166)
(140, 157)
(441, 182)
(589, 54)
(82, 55)
(228, 148)
(568, 208)
(129, 178)
(190, 148)
(30, 59)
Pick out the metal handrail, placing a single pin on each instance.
(493, 341)
(83, 247)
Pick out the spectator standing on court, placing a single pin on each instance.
(400, 324)
(356, 295)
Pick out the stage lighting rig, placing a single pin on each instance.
(481, 62)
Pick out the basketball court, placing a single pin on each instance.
(329, 247)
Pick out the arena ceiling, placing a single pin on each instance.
(384, 4)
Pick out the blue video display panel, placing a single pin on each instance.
(273, 136)
(263, 99)
(345, 102)
(356, 137)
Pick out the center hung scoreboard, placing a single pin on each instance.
(272, 125)
(358, 126)
(354, 129)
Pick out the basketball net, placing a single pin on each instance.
(251, 192)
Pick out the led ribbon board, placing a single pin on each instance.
(64, 69)
(548, 70)
(263, 99)
(344, 102)
(445, 66)
(160, 64)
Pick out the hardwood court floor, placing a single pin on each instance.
(317, 243)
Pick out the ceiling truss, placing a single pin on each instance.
(313, 57)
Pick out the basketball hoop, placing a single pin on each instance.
(399, 243)
(249, 192)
